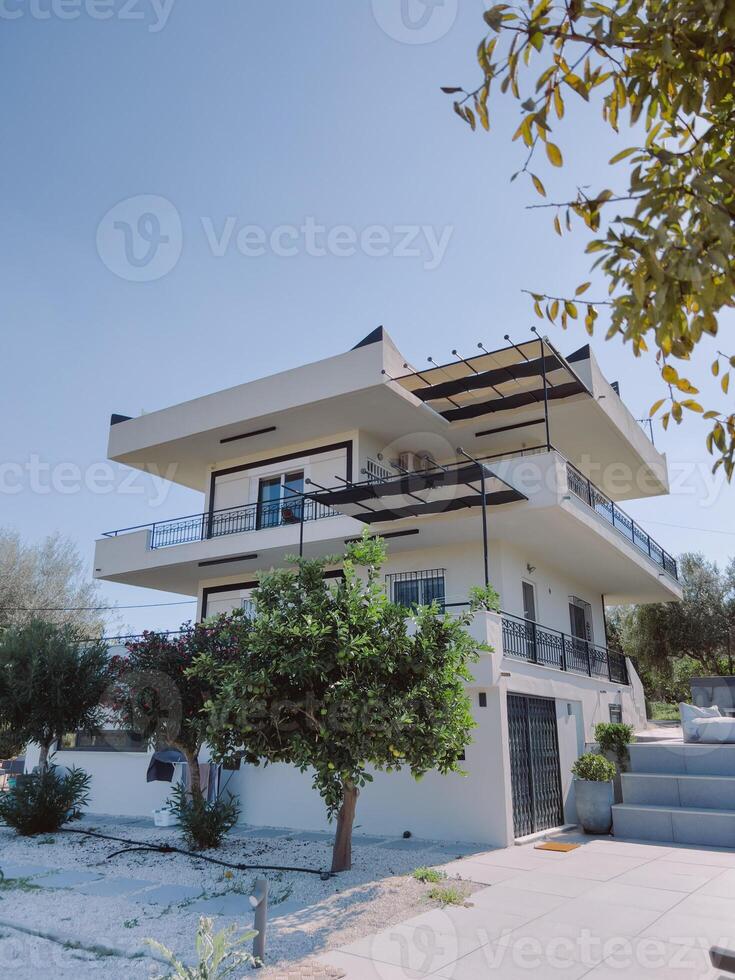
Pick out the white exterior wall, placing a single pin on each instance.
(476, 807)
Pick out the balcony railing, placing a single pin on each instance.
(581, 487)
(232, 520)
(526, 640)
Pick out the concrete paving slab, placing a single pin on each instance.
(583, 865)
(695, 931)
(230, 904)
(360, 968)
(168, 895)
(114, 887)
(24, 870)
(485, 874)
(527, 905)
(509, 963)
(646, 959)
(711, 906)
(418, 949)
(269, 832)
(670, 876)
(634, 896)
(551, 884)
(67, 879)
(722, 885)
(479, 924)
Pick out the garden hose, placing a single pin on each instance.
(134, 845)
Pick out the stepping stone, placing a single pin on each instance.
(229, 904)
(115, 886)
(24, 870)
(408, 844)
(284, 908)
(67, 879)
(169, 894)
(315, 835)
(269, 832)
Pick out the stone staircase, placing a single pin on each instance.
(678, 792)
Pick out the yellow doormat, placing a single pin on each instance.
(553, 846)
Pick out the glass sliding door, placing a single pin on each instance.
(269, 502)
(280, 499)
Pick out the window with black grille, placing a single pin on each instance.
(411, 589)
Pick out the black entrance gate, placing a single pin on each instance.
(534, 764)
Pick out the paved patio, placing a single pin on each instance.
(609, 908)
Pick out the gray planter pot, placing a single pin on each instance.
(594, 805)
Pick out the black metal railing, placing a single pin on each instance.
(526, 640)
(583, 488)
(232, 520)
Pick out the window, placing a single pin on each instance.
(616, 713)
(280, 499)
(107, 740)
(411, 589)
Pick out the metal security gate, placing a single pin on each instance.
(534, 764)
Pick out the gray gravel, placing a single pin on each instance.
(316, 915)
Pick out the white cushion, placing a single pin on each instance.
(715, 730)
(690, 715)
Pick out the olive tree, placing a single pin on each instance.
(51, 682)
(331, 679)
(664, 232)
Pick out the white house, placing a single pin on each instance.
(509, 466)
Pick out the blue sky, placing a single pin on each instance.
(265, 114)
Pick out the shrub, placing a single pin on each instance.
(204, 824)
(595, 768)
(218, 954)
(448, 895)
(42, 802)
(484, 597)
(432, 875)
(615, 737)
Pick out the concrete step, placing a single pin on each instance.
(682, 758)
(682, 825)
(700, 792)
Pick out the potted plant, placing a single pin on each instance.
(593, 792)
(613, 738)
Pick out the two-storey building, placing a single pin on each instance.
(508, 466)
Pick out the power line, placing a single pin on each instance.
(147, 605)
(688, 527)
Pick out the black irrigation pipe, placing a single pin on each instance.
(170, 849)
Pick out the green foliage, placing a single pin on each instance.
(484, 597)
(448, 894)
(51, 682)
(41, 803)
(673, 642)
(664, 711)
(204, 824)
(329, 679)
(159, 698)
(615, 737)
(593, 767)
(432, 875)
(11, 744)
(219, 954)
(665, 239)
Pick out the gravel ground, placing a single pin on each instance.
(318, 915)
